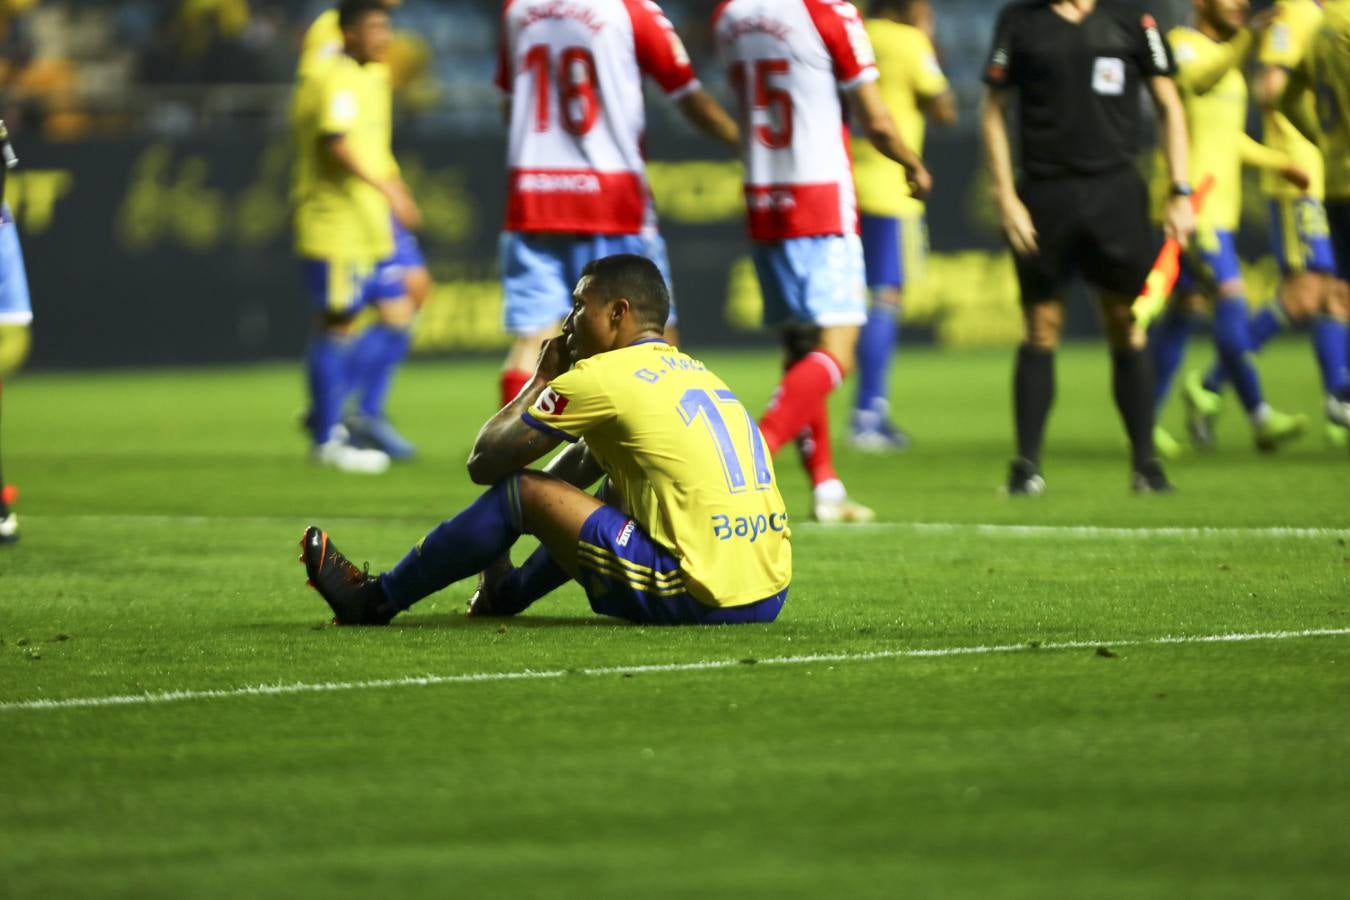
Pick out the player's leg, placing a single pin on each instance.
(1116, 255)
(16, 312)
(1167, 341)
(883, 259)
(536, 298)
(1231, 341)
(398, 290)
(815, 281)
(524, 503)
(1034, 387)
(336, 288)
(1338, 221)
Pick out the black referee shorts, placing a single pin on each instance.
(1096, 226)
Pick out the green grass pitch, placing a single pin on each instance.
(912, 726)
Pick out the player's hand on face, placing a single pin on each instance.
(554, 358)
(1018, 227)
(1297, 176)
(1180, 220)
(920, 182)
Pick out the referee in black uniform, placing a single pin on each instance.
(1080, 205)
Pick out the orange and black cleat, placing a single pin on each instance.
(353, 594)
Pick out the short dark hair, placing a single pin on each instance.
(637, 279)
(351, 12)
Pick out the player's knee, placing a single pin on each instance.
(417, 282)
(841, 341)
(14, 343)
(1043, 324)
(1301, 296)
(1338, 299)
(886, 298)
(398, 313)
(799, 339)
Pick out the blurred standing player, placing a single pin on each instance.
(346, 185)
(377, 351)
(1209, 59)
(577, 187)
(1324, 72)
(16, 314)
(894, 235)
(1081, 206)
(789, 60)
(1299, 232)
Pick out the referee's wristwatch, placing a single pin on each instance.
(1182, 189)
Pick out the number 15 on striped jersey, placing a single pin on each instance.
(697, 403)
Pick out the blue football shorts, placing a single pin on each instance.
(814, 280)
(629, 576)
(407, 251)
(344, 287)
(16, 306)
(539, 272)
(1300, 236)
(1211, 260)
(895, 249)
(1338, 218)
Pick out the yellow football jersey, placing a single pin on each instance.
(1216, 120)
(1326, 65)
(323, 42)
(1283, 44)
(909, 74)
(689, 461)
(337, 214)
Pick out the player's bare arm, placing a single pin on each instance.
(1297, 107)
(1179, 220)
(506, 444)
(940, 110)
(393, 189)
(869, 109)
(1013, 215)
(703, 111)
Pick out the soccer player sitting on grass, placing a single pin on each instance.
(691, 528)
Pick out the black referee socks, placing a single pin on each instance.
(1033, 395)
(1132, 383)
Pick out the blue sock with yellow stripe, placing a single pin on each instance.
(537, 577)
(1268, 322)
(326, 366)
(1167, 339)
(374, 358)
(458, 547)
(1329, 341)
(1233, 343)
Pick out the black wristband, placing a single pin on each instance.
(1182, 189)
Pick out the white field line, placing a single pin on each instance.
(988, 529)
(260, 690)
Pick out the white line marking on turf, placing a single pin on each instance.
(983, 528)
(705, 665)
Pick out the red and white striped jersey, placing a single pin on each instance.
(573, 70)
(787, 61)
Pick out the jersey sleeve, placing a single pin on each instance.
(841, 28)
(1153, 54)
(998, 70)
(660, 52)
(339, 107)
(573, 403)
(926, 73)
(1283, 43)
